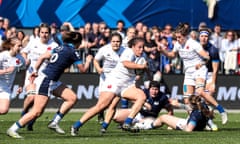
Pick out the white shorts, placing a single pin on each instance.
(5, 95)
(191, 74)
(181, 124)
(209, 77)
(117, 86)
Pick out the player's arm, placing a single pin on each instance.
(132, 65)
(46, 55)
(215, 66)
(7, 70)
(170, 54)
(97, 66)
(84, 67)
(190, 126)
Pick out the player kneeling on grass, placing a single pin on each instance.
(155, 102)
(196, 121)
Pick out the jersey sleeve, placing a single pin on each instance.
(99, 54)
(127, 55)
(76, 58)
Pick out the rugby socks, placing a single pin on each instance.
(105, 125)
(58, 116)
(15, 126)
(23, 113)
(220, 108)
(128, 121)
(77, 124)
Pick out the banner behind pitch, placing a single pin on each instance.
(86, 87)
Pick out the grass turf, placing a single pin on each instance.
(90, 132)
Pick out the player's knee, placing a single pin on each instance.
(3, 110)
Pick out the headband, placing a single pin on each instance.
(204, 33)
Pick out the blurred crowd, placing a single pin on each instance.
(96, 35)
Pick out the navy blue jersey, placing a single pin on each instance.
(62, 57)
(198, 119)
(157, 103)
(214, 55)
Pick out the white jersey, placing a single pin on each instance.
(189, 53)
(120, 71)
(6, 61)
(109, 57)
(34, 50)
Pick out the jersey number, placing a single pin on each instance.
(54, 58)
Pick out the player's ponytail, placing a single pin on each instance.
(74, 38)
(198, 104)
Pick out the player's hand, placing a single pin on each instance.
(89, 58)
(32, 77)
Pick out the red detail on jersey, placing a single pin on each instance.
(49, 48)
(187, 47)
(17, 61)
(109, 86)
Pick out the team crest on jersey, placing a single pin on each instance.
(17, 61)
(187, 47)
(109, 86)
(49, 48)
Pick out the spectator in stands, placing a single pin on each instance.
(54, 29)
(14, 31)
(165, 61)
(88, 28)
(139, 26)
(150, 44)
(131, 33)
(1, 29)
(229, 52)
(35, 34)
(140, 34)
(145, 29)
(193, 35)
(216, 36)
(216, 39)
(8, 34)
(83, 45)
(101, 37)
(93, 38)
(120, 28)
(22, 37)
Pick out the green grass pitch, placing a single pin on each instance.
(90, 134)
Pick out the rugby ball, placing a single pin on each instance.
(140, 60)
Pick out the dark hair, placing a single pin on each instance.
(154, 84)
(44, 25)
(121, 21)
(135, 40)
(117, 35)
(198, 104)
(72, 37)
(182, 29)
